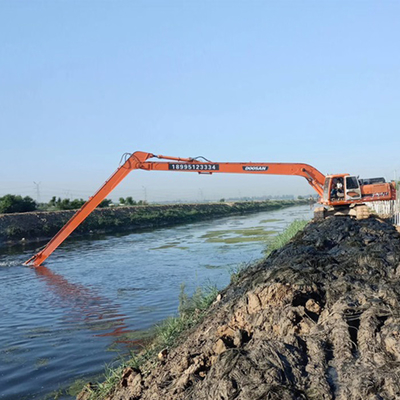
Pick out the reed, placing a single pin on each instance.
(280, 240)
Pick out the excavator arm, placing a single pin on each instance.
(140, 160)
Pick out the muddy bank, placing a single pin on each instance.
(318, 319)
(40, 226)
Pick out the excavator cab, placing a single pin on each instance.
(341, 189)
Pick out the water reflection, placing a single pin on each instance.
(86, 307)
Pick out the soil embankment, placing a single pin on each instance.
(39, 226)
(318, 319)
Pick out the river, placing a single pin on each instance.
(96, 297)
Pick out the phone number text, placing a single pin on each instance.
(194, 167)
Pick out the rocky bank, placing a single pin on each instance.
(318, 319)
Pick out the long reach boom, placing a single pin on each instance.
(140, 160)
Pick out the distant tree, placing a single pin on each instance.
(222, 200)
(53, 201)
(105, 203)
(129, 201)
(65, 204)
(13, 204)
(77, 203)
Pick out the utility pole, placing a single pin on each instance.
(145, 193)
(37, 187)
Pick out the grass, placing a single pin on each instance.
(237, 271)
(192, 310)
(280, 240)
(76, 387)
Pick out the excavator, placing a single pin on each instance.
(343, 193)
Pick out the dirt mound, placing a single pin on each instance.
(319, 319)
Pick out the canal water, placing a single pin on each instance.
(95, 297)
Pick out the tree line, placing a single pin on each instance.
(11, 203)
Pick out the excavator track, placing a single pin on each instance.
(358, 211)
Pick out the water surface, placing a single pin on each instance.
(94, 297)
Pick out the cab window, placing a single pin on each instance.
(351, 183)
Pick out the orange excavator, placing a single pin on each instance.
(340, 191)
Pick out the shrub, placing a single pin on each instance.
(105, 203)
(65, 204)
(14, 204)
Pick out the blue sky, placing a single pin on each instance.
(82, 82)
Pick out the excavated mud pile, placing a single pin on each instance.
(319, 319)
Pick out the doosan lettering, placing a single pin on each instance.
(255, 168)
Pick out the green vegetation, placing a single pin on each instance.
(64, 204)
(280, 240)
(242, 232)
(120, 219)
(241, 235)
(128, 201)
(41, 362)
(191, 311)
(237, 271)
(76, 387)
(16, 204)
(238, 239)
(67, 204)
(209, 266)
(265, 221)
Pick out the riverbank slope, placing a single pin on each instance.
(318, 319)
(41, 226)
